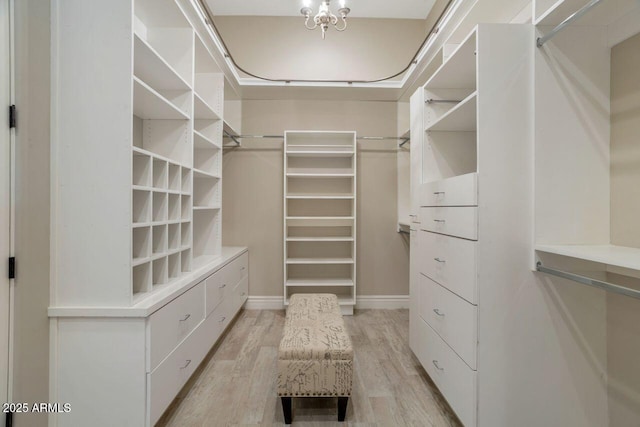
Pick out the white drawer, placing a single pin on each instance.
(216, 289)
(452, 221)
(456, 381)
(222, 282)
(170, 376)
(457, 191)
(240, 294)
(454, 319)
(450, 261)
(173, 322)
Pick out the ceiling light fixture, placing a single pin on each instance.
(325, 17)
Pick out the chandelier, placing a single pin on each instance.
(325, 17)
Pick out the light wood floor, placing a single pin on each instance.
(236, 385)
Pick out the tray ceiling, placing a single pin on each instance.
(398, 9)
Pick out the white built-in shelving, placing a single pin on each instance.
(320, 223)
(470, 142)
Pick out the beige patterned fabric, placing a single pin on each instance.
(315, 357)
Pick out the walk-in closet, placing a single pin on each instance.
(320, 212)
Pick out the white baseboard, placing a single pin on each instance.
(381, 302)
(264, 303)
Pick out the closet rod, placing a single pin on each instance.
(434, 101)
(610, 287)
(234, 138)
(365, 138)
(576, 15)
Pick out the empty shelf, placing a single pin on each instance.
(149, 104)
(461, 118)
(202, 174)
(202, 110)
(319, 282)
(319, 239)
(618, 256)
(320, 196)
(319, 261)
(319, 175)
(327, 221)
(202, 142)
(150, 67)
(459, 71)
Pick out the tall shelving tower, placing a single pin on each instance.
(320, 215)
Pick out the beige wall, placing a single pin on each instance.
(265, 46)
(252, 191)
(623, 313)
(31, 343)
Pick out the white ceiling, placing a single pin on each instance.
(402, 9)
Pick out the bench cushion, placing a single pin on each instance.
(315, 357)
(314, 330)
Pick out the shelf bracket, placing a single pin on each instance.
(609, 287)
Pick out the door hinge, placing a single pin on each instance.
(12, 267)
(12, 116)
(9, 419)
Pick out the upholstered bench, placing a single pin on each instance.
(315, 358)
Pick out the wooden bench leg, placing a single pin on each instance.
(286, 409)
(342, 407)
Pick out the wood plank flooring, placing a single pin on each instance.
(235, 386)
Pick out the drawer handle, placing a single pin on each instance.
(438, 312)
(439, 220)
(435, 363)
(439, 260)
(187, 364)
(438, 192)
(413, 216)
(185, 318)
(222, 320)
(223, 286)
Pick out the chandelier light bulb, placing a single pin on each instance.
(325, 17)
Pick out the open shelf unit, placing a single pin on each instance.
(177, 157)
(319, 214)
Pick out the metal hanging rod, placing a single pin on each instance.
(576, 15)
(434, 101)
(235, 138)
(610, 287)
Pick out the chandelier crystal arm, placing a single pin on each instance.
(306, 11)
(343, 15)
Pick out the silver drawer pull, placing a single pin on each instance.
(222, 320)
(187, 364)
(438, 312)
(439, 220)
(439, 260)
(223, 286)
(438, 192)
(435, 363)
(185, 318)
